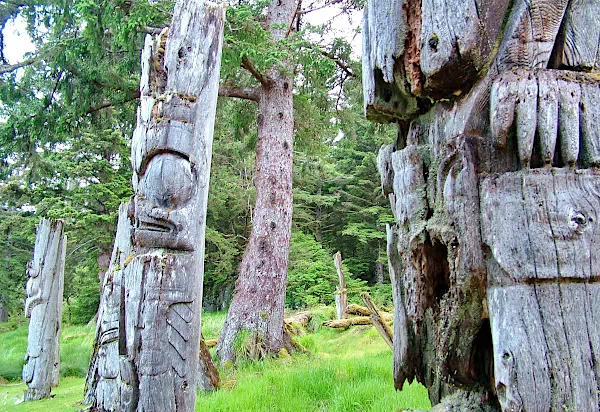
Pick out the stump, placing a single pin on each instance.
(147, 351)
(495, 190)
(43, 305)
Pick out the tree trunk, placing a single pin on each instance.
(43, 306)
(494, 189)
(3, 312)
(259, 298)
(341, 296)
(147, 351)
(379, 268)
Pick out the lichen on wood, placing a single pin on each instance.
(147, 350)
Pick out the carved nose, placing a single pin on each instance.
(168, 180)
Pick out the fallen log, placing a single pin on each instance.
(377, 318)
(360, 320)
(346, 323)
(354, 309)
(301, 318)
(210, 343)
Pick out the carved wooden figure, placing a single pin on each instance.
(43, 305)
(146, 356)
(495, 189)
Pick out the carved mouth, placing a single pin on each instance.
(156, 227)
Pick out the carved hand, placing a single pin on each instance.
(560, 110)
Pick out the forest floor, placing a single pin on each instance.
(346, 370)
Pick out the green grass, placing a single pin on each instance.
(346, 371)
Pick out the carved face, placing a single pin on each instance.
(416, 50)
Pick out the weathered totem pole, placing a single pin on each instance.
(147, 351)
(495, 188)
(43, 305)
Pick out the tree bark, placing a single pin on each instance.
(147, 351)
(379, 269)
(341, 296)
(259, 298)
(3, 312)
(43, 306)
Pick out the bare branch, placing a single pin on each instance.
(247, 93)
(263, 79)
(11, 67)
(296, 15)
(151, 30)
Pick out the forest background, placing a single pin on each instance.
(67, 112)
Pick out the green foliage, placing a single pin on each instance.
(311, 274)
(75, 349)
(346, 371)
(64, 148)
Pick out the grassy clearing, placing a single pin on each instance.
(346, 371)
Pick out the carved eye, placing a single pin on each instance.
(168, 181)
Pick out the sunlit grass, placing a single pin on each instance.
(347, 370)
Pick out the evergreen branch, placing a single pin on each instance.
(104, 105)
(263, 79)
(12, 67)
(247, 93)
(339, 62)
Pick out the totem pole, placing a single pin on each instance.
(495, 189)
(43, 305)
(146, 356)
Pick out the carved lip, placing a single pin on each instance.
(164, 227)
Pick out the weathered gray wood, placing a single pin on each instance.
(108, 385)
(569, 95)
(378, 320)
(547, 119)
(495, 234)
(147, 353)
(341, 295)
(579, 40)
(590, 125)
(43, 305)
(543, 339)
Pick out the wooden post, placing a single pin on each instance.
(208, 376)
(378, 320)
(147, 354)
(341, 297)
(494, 192)
(43, 306)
